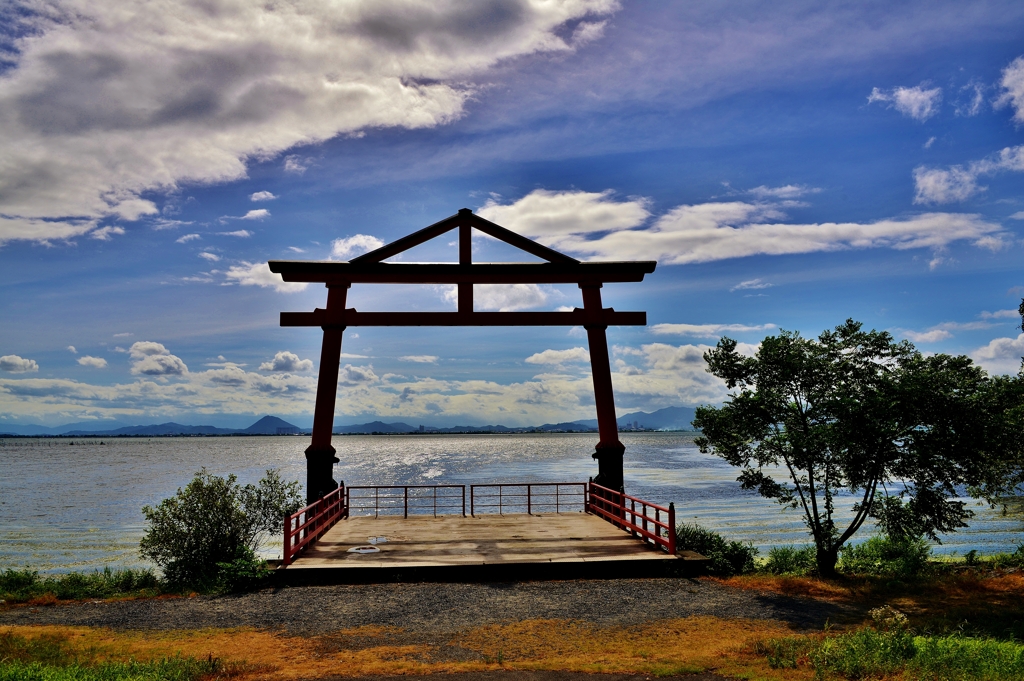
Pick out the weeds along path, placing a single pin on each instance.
(443, 608)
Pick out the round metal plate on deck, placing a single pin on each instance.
(364, 549)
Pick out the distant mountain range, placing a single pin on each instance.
(669, 418)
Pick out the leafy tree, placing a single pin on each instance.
(852, 410)
(212, 528)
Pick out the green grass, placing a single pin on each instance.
(20, 586)
(51, 658)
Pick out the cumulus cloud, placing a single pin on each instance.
(576, 354)
(1012, 83)
(255, 214)
(186, 238)
(707, 330)
(105, 103)
(352, 376)
(354, 245)
(720, 230)
(931, 336)
(751, 285)
(287, 361)
(212, 257)
(958, 183)
(259, 274)
(914, 102)
(105, 233)
(18, 365)
(1000, 314)
(94, 362)
(72, 350)
(787, 192)
(153, 359)
(1000, 355)
(420, 359)
(551, 216)
(262, 196)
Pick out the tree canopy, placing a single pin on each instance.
(856, 411)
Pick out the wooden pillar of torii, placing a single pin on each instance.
(370, 268)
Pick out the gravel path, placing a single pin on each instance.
(438, 608)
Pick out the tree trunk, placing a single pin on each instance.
(827, 559)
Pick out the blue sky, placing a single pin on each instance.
(789, 166)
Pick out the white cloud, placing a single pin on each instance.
(354, 245)
(914, 102)
(750, 284)
(294, 164)
(928, 144)
(262, 196)
(420, 359)
(352, 377)
(72, 350)
(576, 354)
(240, 233)
(186, 238)
(970, 100)
(107, 101)
(958, 183)
(932, 336)
(1001, 355)
(550, 216)
(1000, 314)
(789, 191)
(105, 233)
(501, 297)
(287, 361)
(94, 362)
(161, 224)
(1019, 215)
(18, 365)
(153, 359)
(212, 257)
(296, 249)
(1013, 84)
(256, 214)
(707, 330)
(259, 274)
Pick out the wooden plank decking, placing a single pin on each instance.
(457, 548)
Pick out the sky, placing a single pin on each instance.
(789, 165)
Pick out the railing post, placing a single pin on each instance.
(672, 528)
(435, 502)
(406, 497)
(529, 499)
(472, 499)
(586, 497)
(287, 540)
(463, 501)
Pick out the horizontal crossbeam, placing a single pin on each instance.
(578, 317)
(453, 273)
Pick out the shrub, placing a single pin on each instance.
(887, 557)
(725, 557)
(790, 560)
(867, 652)
(209, 532)
(18, 586)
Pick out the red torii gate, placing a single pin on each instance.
(369, 268)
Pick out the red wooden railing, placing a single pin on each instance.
(620, 509)
(308, 524)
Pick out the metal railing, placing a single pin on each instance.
(531, 497)
(405, 499)
(308, 524)
(620, 509)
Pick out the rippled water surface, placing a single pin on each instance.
(76, 503)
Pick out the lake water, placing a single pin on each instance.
(75, 504)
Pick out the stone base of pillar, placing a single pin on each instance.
(609, 465)
(320, 472)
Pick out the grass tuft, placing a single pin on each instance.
(27, 586)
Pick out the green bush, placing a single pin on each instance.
(790, 560)
(866, 653)
(887, 557)
(725, 557)
(18, 586)
(954, 658)
(205, 536)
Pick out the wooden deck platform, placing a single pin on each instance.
(481, 548)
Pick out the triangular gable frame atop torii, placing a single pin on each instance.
(370, 268)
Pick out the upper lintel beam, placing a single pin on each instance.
(445, 273)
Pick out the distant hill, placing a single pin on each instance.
(669, 418)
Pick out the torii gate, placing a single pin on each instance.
(369, 268)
